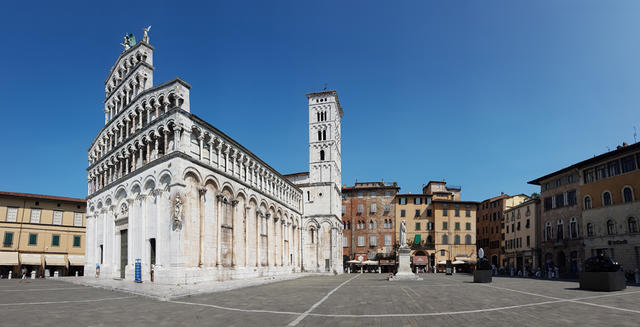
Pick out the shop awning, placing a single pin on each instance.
(370, 263)
(443, 262)
(417, 239)
(354, 261)
(76, 260)
(8, 258)
(30, 259)
(458, 262)
(55, 260)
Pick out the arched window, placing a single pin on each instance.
(633, 225)
(548, 231)
(321, 155)
(587, 202)
(573, 228)
(318, 114)
(606, 198)
(560, 231)
(445, 239)
(371, 224)
(324, 135)
(589, 229)
(456, 239)
(429, 226)
(319, 136)
(467, 239)
(611, 227)
(627, 194)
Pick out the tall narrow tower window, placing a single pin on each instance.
(321, 155)
(318, 116)
(319, 136)
(324, 135)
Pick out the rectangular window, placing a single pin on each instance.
(428, 212)
(8, 239)
(360, 240)
(57, 217)
(55, 240)
(518, 225)
(387, 207)
(457, 226)
(359, 194)
(373, 194)
(428, 200)
(360, 208)
(628, 164)
(417, 200)
(589, 176)
(76, 241)
(601, 172)
(373, 208)
(373, 241)
(442, 253)
(528, 241)
(403, 213)
(387, 240)
(402, 200)
(417, 212)
(560, 200)
(344, 209)
(387, 193)
(467, 213)
(467, 226)
(445, 211)
(12, 214)
(33, 239)
(417, 226)
(614, 168)
(345, 242)
(527, 224)
(548, 203)
(77, 219)
(35, 216)
(444, 225)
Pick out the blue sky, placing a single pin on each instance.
(487, 94)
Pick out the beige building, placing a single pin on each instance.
(440, 226)
(41, 233)
(520, 235)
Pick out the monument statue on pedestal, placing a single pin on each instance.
(404, 261)
(482, 274)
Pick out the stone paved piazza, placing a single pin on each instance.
(345, 300)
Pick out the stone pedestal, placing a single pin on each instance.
(482, 276)
(602, 281)
(404, 266)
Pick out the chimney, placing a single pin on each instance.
(624, 144)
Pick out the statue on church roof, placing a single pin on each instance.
(145, 37)
(129, 41)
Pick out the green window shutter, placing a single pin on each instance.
(76, 241)
(8, 239)
(33, 239)
(55, 240)
(416, 239)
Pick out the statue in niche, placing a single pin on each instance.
(403, 234)
(177, 212)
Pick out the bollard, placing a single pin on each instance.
(379, 270)
(9, 276)
(56, 274)
(33, 274)
(348, 270)
(76, 273)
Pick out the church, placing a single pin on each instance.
(189, 203)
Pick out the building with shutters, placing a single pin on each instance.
(368, 217)
(41, 233)
(521, 234)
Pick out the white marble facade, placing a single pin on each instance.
(171, 190)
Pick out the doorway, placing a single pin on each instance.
(152, 255)
(123, 252)
(326, 265)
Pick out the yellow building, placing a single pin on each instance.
(41, 233)
(439, 225)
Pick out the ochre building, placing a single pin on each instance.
(41, 233)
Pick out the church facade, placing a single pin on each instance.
(192, 204)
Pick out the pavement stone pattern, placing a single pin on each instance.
(343, 300)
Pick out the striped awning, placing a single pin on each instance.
(31, 259)
(76, 260)
(8, 258)
(55, 260)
